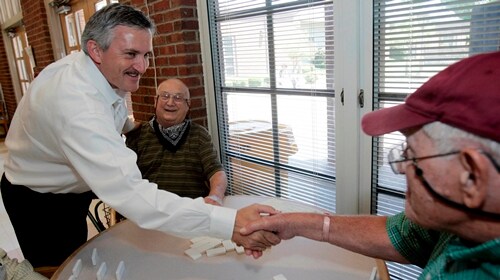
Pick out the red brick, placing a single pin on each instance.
(197, 91)
(192, 82)
(186, 24)
(165, 50)
(168, 72)
(161, 6)
(184, 60)
(188, 48)
(160, 61)
(164, 28)
(198, 113)
(187, 71)
(176, 3)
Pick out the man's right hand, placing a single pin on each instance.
(258, 241)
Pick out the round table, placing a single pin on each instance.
(149, 254)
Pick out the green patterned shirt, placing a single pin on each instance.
(186, 171)
(443, 255)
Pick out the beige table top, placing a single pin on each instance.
(149, 254)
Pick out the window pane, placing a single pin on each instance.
(310, 123)
(241, 6)
(18, 47)
(71, 30)
(236, 112)
(100, 4)
(80, 24)
(273, 66)
(304, 65)
(247, 177)
(319, 192)
(23, 75)
(245, 53)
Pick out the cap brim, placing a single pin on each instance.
(392, 119)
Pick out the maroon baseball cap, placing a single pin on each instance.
(465, 95)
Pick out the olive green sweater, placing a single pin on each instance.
(186, 171)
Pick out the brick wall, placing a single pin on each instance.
(37, 31)
(6, 81)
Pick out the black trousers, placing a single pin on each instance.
(48, 226)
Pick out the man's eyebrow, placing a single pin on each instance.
(130, 50)
(135, 51)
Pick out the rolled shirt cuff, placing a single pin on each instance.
(222, 221)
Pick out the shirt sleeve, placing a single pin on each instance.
(129, 125)
(412, 241)
(100, 157)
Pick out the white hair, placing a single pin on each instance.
(448, 138)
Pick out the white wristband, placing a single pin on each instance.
(326, 228)
(215, 198)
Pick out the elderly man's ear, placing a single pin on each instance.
(477, 178)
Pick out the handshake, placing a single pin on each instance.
(258, 227)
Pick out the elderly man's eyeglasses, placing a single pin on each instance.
(165, 96)
(397, 159)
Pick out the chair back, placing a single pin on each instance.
(383, 273)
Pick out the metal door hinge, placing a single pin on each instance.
(361, 98)
(342, 97)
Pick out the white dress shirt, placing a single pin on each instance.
(65, 138)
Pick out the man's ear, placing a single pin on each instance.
(475, 177)
(95, 52)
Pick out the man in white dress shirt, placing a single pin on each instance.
(65, 145)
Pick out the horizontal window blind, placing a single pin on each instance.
(273, 76)
(413, 40)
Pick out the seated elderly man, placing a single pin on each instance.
(451, 223)
(174, 152)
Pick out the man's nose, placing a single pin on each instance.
(142, 64)
(170, 100)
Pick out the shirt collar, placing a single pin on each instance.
(110, 94)
(458, 251)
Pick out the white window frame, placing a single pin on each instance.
(354, 155)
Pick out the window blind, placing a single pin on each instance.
(273, 76)
(413, 40)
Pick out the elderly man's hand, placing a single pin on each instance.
(281, 224)
(257, 241)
